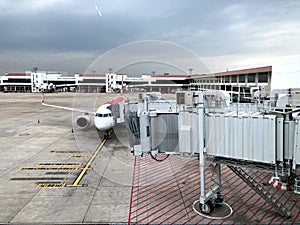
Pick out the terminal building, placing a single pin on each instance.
(90, 83)
(16, 82)
(165, 83)
(236, 81)
(46, 81)
(35, 81)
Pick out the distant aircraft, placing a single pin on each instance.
(103, 117)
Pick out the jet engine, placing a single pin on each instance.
(83, 121)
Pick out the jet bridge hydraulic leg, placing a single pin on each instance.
(213, 199)
(211, 204)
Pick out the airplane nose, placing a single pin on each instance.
(103, 123)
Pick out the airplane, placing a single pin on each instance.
(103, 117)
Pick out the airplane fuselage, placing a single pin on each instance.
(104, 119)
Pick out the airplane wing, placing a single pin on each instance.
(92, 113)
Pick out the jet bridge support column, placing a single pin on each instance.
(213, 198)
(200, 111)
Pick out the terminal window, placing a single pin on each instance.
(233, 79)
(251, 78)
(242, 78)
(263, 78)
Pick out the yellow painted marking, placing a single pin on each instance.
(77, 156)
(73, 185)
(87, 166)
(51, 168)
(51, 185)
(66, 152)
(59, 164)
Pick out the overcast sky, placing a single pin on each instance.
(68, 35)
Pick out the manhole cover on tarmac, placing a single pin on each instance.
(221, 212)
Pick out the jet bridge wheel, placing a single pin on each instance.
(207, 207)
(159, 156)
(216, 212)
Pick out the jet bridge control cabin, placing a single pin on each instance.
(206, 124)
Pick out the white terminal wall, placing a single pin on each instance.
(286, 72)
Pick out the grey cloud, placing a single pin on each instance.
(209, 28)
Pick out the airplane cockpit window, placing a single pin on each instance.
(103, 115)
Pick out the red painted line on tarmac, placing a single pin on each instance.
(198, 195)
(248, 199)
(159, 208)
(153, 191)
(139, 203)
(176, 194)
(172, 215)
(182, 208)
(149, 161)
(151, 176)
(275, 216)
(232, 176)
(294, 220)
(236, 178)
(174, 177)
(147, 173)
(189, 212)
(154, 176)
(254, 214)
(270, 208)
(196, 215)
(240, 187)
(132, 187)
(245, 186)
(295, 203)
(195, 181)
(159, 184)
(259, 208)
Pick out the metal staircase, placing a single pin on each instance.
(279, 207)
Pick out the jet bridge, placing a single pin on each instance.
(207, 125)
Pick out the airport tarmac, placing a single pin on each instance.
(39, 154)
(42, 156)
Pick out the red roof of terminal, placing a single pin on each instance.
(92, 75)
(236, 72)
(171, 75)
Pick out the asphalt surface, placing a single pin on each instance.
(41, 152)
